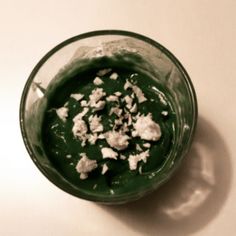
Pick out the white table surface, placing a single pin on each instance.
(200, 200)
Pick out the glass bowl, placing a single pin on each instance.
(153, 59)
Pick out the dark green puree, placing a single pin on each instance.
(63, 149)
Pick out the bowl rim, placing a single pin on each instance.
(90, 34)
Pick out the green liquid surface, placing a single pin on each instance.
(64, 150)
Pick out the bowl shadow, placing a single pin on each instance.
(191, 198)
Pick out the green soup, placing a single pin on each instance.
(63, 148)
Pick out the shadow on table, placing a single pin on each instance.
(191, 198)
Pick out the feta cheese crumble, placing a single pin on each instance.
(146, 128)
(114, 76)
(95, 124)
(134, 159)
(109, 153)
(104, 168)
(97, 81)
(62, 113)
(85, 165)
(77, 96)
(117, 140)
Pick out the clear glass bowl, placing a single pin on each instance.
(156, 61)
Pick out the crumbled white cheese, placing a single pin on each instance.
(112, 98)
(138, 148)
(85, 165)
(62, 113)
(117, 140)
(68, 156)
(114, 76)
(80, 129)
(118, 94)
(109, 153)
(146, 128)
(129, 119)
(84, 103)
(128, 101)
(104, 72)
(147, 145)
(101, 136)
(97, 81)
(95, 124)
(134, 108)
(124, 128)
(80, 115)
(116, 110)
(95, 97)
(77, 96)
(122, 157)
(127, 85)
(164, 113)
(139, 94)
(92, 138)
(134, 159)
(104, 168)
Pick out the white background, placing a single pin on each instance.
(200, 199)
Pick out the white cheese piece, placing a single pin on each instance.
(146, 128)
(129, 119)
(95, 124)
(124, 128)
(101, 136)
(147, 145)
(116, 110)
(134, 159)
(112, 98)
(114, 76)
(117, 140)
(77, 96)
(128, 101)
(80, 129)
(95, 97)
(127, 85)
(93, 138)
(134, 108)
(118, 94)
(99, 105)
(68, 156)
(97, 81)
(80, 115)
(62, 113)
(122, 157)
(85, 165)
(104, 168)
(84, 103)
(109, 153)
(164, 113)
(139, 94)
(138, 148)
(104, 72)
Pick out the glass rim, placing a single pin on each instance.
(90, 34)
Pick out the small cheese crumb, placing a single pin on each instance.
(164, 113)
(80, 129)
(115, 110)
(122, 157)
(134, 159)
(146, 128)
(138, 147)
(104, 168)
(139, 94)
(118, 94)
(85, 165)
(62, 113)
(127, 85)
(80, 115)
(134, 108)
(84, 103)
(112, 98)
(95, 97)
(104, 72)
(93, 138)
(147, 145)
(95, 124)
(77, 96)
(68, 156)
(114, 76)
(109, 153)
(117, 140)
(97, 81)
(128, 101)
